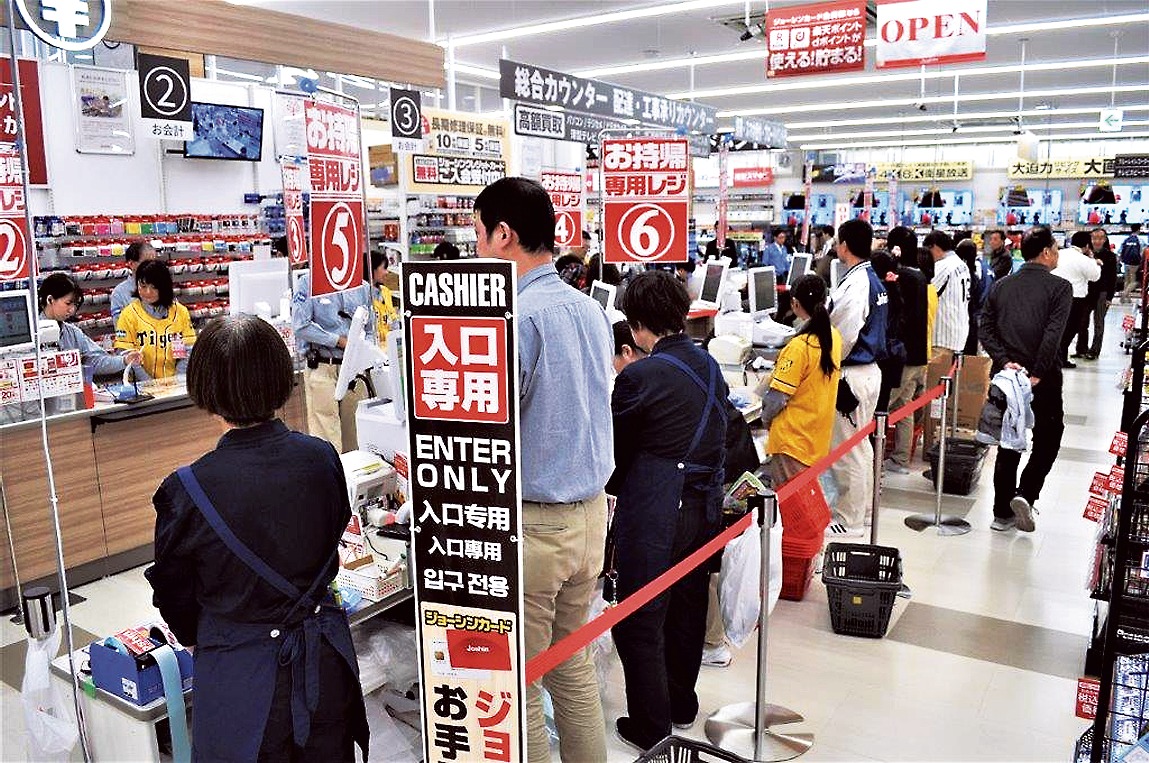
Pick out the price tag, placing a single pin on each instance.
(1119, 444)
(1116, 479)
(136, 640)
(1100, 484)
(1127, 323)
(1095, 508)
(1087, 691)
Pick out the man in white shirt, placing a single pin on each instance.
(1076, 265)
(952, 282)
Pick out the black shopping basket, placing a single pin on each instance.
(682, 750)
(862, 582)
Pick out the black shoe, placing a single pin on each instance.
(1079, 354)
(1091, 356)
(1068, 363)
(624, 730)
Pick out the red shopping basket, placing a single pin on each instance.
(805, 513)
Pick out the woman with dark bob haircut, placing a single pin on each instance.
(246, 545)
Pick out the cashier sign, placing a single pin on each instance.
(646, 193)
(15, 252)
(335, 162)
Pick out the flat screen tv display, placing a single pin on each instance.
(1114, 205)
(226, 132)
(1022, 207)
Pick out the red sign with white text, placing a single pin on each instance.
(338, 226)
(16, 260)
(460, 369)
(646, 191)
(1095, 508)
(293, 212)
(1116, 479)
(919, 32)
(566, 190)
(33, 121)
(1087, 698)
(753, 177)
(1119, 444)
(816, 39)
(1100, 484)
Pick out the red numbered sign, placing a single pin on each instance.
(335, 163)
(15, 245)
(566, 190)
(293, 212)
(460, 369)
(646, 191)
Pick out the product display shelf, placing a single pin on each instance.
(1123, 656)
(431, 220)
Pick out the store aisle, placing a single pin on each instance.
(981, 663)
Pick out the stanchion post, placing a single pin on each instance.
(767, 511)
(947, 525)
(879, 456)
(959, 362)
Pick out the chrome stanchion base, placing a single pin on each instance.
(946, 524)
(732, 728)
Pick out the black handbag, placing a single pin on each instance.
(847, 402)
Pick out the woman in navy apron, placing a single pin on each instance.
(670, 430)
(246, 544)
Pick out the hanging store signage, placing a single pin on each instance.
(100, 97)
(918, 32)
(165, 96)
(1110, 120)
(338, 227)
(1131, 166)
(406, 121)
(535, 122)
(67, 24)
(464, 153)
(850, 172)
(646, 194)
(461, 388)
(566, 190)
(533, 84)
(33, 121)
(753, 177)
(764, 133)
(816, 39)
(1053, 169)
(926, 171)
(293, 211)
(16, 259)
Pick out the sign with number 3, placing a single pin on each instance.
(335, 166)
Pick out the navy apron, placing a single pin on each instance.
(236, 663)
(647, 505)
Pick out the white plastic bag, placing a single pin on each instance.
(738, 594)
(48, 719)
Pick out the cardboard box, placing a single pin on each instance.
(970, 394)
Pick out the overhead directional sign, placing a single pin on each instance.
(406, 121)
(1111, 120)
(764, 132)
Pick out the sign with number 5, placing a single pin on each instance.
(335, 166)
(646, 190)
(15, 244)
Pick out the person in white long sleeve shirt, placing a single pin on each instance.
(1076, 264)
(952, 282)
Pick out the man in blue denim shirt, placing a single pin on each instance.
(565, 352)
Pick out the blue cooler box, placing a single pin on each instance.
(136, 677)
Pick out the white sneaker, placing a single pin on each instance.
(839, 530)
(716, 656)
(892, 466)
(1023, 511)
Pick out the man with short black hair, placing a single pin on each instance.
(137, 252)
(565, 353)
(1021, 328)
(952, 281)
(858, 309)
(1076, 265)
(1000, 256)
(1132, 253)
(775, 254)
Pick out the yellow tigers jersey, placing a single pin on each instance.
(156, 338)
(384, 306)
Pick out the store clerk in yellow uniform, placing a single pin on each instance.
(382, 298)
(798, 400)
(156, 324)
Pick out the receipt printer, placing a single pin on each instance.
(125, 664)
(731, 352)
(370, 483)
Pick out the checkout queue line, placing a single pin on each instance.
(546, 661)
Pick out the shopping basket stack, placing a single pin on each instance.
(805, 516)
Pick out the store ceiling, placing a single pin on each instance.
(1063, 98)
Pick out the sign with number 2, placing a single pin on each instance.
(15, 245)
(335, 164)
(646, 191)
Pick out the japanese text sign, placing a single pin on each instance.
(1119, 444)
(1097, 166)
(16, 258)
(1131, 166)
(33, 121)
(1116, 479)
(1088, 690)
(165, 96)
(566, 190)
(558, 125)
(816, 39)
(1128, 322)
(533, 84)
(463, 153)
(462, 391)
(763, 133)
(293, 211)
(916, 32)
(335, 167)
(59, 374)
(1095, 508)
(645, 192)
(753, 177)
(1099, 485)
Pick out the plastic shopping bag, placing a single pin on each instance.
(48, 719)
(738, 594)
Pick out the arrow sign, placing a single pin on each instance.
(1111, 120)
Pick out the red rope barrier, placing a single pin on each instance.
(547, 660)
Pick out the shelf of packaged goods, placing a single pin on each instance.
(440, 227)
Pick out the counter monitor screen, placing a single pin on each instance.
(763, 290)
(225, 132)
(799, 266)
(15, 320)
(712, 283)
(603, 293)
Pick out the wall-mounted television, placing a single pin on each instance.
(1114, 204)
(942, 207)
(226, 132)
(1020, 207)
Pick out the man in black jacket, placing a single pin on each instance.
(1000, 257)
(1021, 328)
(913, 287)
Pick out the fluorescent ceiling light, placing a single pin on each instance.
(760, 54)
(476, 71)
(962, 130)
(580, 22)
(881, 79)
(969, 141)
(239, 75)
(898, 119)
(888, 102)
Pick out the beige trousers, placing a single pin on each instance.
(913, 384)
(562, 558)
(334, 422)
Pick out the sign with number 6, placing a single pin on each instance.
(647, 192)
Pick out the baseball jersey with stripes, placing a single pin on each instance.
(951, 279)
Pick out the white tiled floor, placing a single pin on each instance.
(866, 699)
